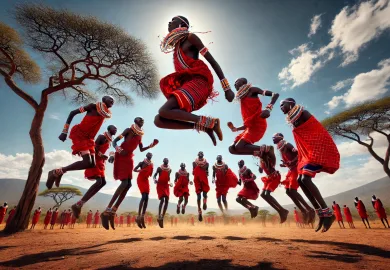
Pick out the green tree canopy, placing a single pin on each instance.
(61, 194)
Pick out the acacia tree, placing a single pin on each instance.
(61, 194)
(364, 120)
(81, 52)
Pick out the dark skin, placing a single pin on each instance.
(100, 181)
(164, 200)
(88, 159)
(291, 162)
(242, 147)
(125, 185)
(305, 182)
(177, 175)
(170, 116)
(269, 160)
(244, 201)
(206, 169)
(223, 197)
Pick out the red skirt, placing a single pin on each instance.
(200, 180)
(250, 191)
(225, 181)
(291, 181)
(272, 181)
(162, 190)
(123, 166)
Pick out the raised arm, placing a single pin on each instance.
(72, 114)
(258, 91)
(136, 169)
(153, 144)
(195, 41)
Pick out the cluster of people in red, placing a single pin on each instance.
(188, 89)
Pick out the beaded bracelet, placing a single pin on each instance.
(203, 51)
(269, 107)
(65, 129)
(100, 154)
(225, 84)
(82, 109)
(118, 149)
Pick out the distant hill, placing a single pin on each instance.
(11, 190)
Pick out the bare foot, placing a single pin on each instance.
(210, 132)
(58, 180)
(50, 179)
(104, 219)
(76, 210)
(111, 218)
(217, 129)
(138, 221)
(283, 216)
(255, 211)
(320, 223)
(328, 221)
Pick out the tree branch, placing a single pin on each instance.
(13, 66)
(9, 81)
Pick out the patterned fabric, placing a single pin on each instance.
(315, 147)
(191, 84)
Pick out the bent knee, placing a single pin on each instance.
(232, 149)
(157, 121)
(238, 199)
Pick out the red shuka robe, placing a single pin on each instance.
(96, 218)
(379, 209)
(162, 183)
(250, 190)
(124, 165)
(11, 215)
(297, 217)
(181, 186)
(35, 219)
(89, 218)
(337, 212)
(83, 134)
(48, 217)
(347, 214)
(54, 218)
(143, 179)
(191, 84)
(256, 126)
(98, 170)
(361, 209)
(3, 212)
(315, 147)
(224, 180)
(200, 180)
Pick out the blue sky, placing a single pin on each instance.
(267, 42)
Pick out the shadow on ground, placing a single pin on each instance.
(201, 264)
(347, 258)
(360, 248)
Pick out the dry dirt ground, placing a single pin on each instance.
(197, 247)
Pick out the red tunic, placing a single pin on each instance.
(315, 147)
(116, 220)
(224, 181)
(96, 218)
(73, 218)
(181, 186)
(291, 180)
(121, 220)
(297, 217)
(379, 209)
(89, 218)
(272, 180)
(200, 179)
(54, 218)
(255, 125)
(48, 217)
(143, 179)
(3, 212)
(337, 212)
(361, 209)
(68, 218)
(347, 214)
(191, 84)
(124, 165)
(162, 183)
(11, 215)
(128, 220)
(250, 190)
(98, 170)
(83, 134)
(35, 219)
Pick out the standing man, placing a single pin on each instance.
(182, 179)
(163, 184)
(337, 213)
(380, 210)
(201, 173)
(361, 208)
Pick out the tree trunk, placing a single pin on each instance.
(387, 156)
(21, 218)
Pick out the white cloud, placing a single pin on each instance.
(315, 25)
(351, 30)
(342, 84)
(54, 116)
(366, 86)
(351, 148)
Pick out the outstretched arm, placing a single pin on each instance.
(234, 129)
(153, 144)
(137, 168)
(274, 96)
(72, 114)
(195, 41)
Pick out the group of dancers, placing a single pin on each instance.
(187, 90)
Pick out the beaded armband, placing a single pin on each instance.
(203, 51)
(225, 84)
(100, 154)
(81, 109)
(65, 129)
(118, 149)
(269, 107)
(112, 154)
